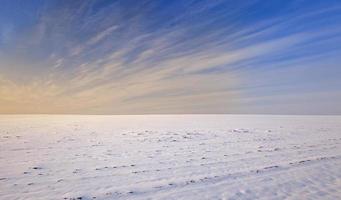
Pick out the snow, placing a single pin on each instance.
(170, 157)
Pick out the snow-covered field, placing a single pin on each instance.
(170, 157)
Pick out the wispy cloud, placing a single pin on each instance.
(208, 57)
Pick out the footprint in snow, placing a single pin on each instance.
(37, 168)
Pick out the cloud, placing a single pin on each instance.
(93, 41)
(100, 36)
(144, 59)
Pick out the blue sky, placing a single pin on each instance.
(142, 57)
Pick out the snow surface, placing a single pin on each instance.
(170, 157)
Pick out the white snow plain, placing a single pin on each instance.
(170, 157)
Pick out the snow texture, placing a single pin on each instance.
(170, 157)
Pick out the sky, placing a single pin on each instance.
(170, 57)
